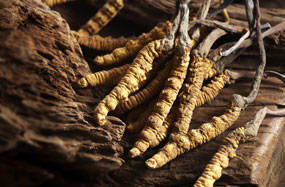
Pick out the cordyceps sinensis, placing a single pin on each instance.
(151, 137)
(220, 160)
(142, 64)
(132, 47)
(183, 83)
(137, 125)
(181, 142)
(149, 91)
(130, 82)
(102, 17)
(105, 77)
(174, 82)
(100, 43)
(51, 3)
(213, 170)
(200, 69)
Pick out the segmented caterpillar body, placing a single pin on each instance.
(105, 77)
(211, 90)
(190, 92)
(171, 89)
(182, 142)
(152, 89)
(132, 47)
(136, 73)
(220, 160)
(152, 137)
(138, 124)
(51, 3)
(163, 104)
(100, 43)
(102, 17)
(227, 150)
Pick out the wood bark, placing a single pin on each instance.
(46, 126)
(47, 133)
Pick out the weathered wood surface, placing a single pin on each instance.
(47, 133)
(46, 125)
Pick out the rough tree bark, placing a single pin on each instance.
(45, 128)
(47, 133)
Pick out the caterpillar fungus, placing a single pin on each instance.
(181, 142)
(132, 47)
(172, 86)
(100, 43)
(150, 136)
(51, 3)
(227, 150)
(152, 89)
(166, 97)
(177, 75)
(153, 136)
(138, 124)
(200, 69)
(220, 160)
(105, 77)
(136, 73)
(102, 17)
(134, 114)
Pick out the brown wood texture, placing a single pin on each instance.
(46, 125)
(47, 133)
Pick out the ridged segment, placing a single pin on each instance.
(105, 77)
(220, 160)
(100, 43)
(132, 47)
(136, 74)
(51, 3)
(102, 17)
(153, 136)
(181, 142)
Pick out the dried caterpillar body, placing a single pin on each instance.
(211, 90)
(220, 160)
(171, 89)
(102, 17)
(136, 73)
(162, 132)
(210, 72)
(100, 43)
(105, 77)
(132, 47)
(51, 3)
(227, 150)
(164, 103)
(182, 142)
(190, 91)
(153, 88)
(134, 114)
(152, 137)
(138, 125)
